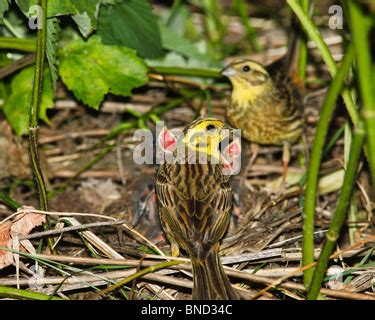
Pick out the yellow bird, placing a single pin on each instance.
(266, 103)
(195, 202)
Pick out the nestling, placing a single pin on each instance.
(195, 201)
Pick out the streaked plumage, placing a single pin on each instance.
(265, 103)
(195, 201)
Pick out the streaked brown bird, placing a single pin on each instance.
(266, 102)
(195, 200)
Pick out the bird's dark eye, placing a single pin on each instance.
(210, 127)
(246, 68)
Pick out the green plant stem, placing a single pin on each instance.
(36, 98)
(208, 102)
(242, 9)
(24, 294)
(173, 12)
(8, 201)
(141, 273)
(340, 212)
(302, 57)
(192, 72)
(314, 34)
(360, 27)
(11, 29)
(214, 26)
(25, 45)
(89, 165)
(325, 117)
(17, 65)
(34, 109)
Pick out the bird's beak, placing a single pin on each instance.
(228, 72)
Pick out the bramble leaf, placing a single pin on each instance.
(131, 24)
(4, 6)
(17, 105)
(53, 31)
(84, 12)
(91, 70)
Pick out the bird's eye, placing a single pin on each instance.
(246, 68)
(210, 127)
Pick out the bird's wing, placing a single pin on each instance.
(197, 223)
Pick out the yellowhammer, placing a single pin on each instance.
(195, 201)
(266, 104)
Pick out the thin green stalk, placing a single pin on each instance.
(25, 45)
(242, 9)
(340, 213)
(36, 99)
(302, 56)
(314, 34)
(215, 28)
(34, 108)
(100, 156)
(141, 273)
(360, 27)
(326, 113)
(208, 102)
(8, 201)
(192, 72)
(59, 267)
(336, 136)
(24, 294)
(11, 29)
(173, 12)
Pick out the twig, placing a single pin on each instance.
(277, 244)
(66, 174)
(72, 135)
(17, 65)
(95, 240)
(184, 81)
(67, 229)
(26, 210)
(137, 234)
(313, 264)
(139, 274)
(265, 254)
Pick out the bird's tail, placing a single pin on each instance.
(210, 280)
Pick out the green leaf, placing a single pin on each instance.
(171, 40)
(17, 105)
(53, 32)
(131, 23)
(4, 6)
(91, 69)
(85, 12)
